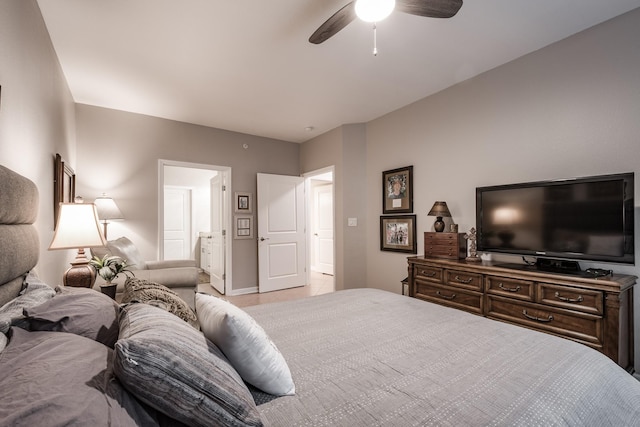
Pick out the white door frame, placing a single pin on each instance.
(226, 171)
(308, 177)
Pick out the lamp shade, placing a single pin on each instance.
(439, 209)
(77, 227)
(374, 10)
(107, 209)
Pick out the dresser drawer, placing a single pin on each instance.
(463, 279)
(452, 297)
(433, 274)
(586, 300)
(512, 288)
(582, 327)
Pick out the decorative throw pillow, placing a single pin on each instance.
(79, 311)
(176, 370)
(35, 293)
(246, 345)
(55, 378)
(139, 290)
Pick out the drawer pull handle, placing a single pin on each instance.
(452, 296)
(504, 288)
(429, 273)
(537, 319)
(469, 280)
(565, 299)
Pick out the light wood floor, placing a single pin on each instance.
(320, 284)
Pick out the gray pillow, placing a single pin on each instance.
(246, 345)
(55, 378)
(172, 367)
(139, 290)
(35, 293)
(79, 311)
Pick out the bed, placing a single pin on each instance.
(360, 357)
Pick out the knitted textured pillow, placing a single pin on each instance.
(139, 290)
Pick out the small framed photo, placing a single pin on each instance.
(397, 190)
(243, 203)
(398, 233)
(243, 227)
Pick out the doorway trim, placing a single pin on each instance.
(227, 222)
(308, 176)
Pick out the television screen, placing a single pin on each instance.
(579, 219)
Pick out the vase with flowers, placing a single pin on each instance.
(109, 267)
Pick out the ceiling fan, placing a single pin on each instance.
(353, 10)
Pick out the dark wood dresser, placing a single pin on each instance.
(595, 312)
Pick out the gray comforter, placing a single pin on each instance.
(372, 358)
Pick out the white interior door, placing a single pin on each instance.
(177, 223)
(217, 271)
(323, 229)
(281, 232)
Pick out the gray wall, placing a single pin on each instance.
(36, 116)
(118, 153)
(345, 149)
(571, 109)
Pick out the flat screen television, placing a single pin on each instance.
(587, 219)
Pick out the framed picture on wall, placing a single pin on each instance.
(397, 190)
(243, 203)
(398, 233)
(243, 227)
(64, 186)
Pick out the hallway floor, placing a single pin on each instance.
(319, 284)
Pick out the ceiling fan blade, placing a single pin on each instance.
(430, 8)
(331, 26)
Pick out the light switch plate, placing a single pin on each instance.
(352, 222)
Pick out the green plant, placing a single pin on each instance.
(109, 267)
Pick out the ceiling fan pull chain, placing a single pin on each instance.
(375, 41)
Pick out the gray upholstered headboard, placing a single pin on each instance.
(19, 244)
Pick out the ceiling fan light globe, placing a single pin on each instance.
(374, 10)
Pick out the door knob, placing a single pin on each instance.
(262, 239)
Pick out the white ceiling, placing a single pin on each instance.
(247, 66)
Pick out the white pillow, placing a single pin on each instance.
(247, 346)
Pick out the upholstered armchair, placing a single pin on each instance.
(181, 276)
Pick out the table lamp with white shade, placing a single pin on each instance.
(107, 211)
(78, 228)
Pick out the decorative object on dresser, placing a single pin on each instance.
(597, 312)
(78, 228)
(397, 190)
(472, 238)
(107, 211)
(398, 233)
(439, 210)
(445, 245)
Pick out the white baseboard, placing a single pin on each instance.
(243, 291)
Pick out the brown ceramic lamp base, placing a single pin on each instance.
(438, 225)
(80, 274)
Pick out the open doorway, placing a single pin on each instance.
(194, 214)
(321, 235)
